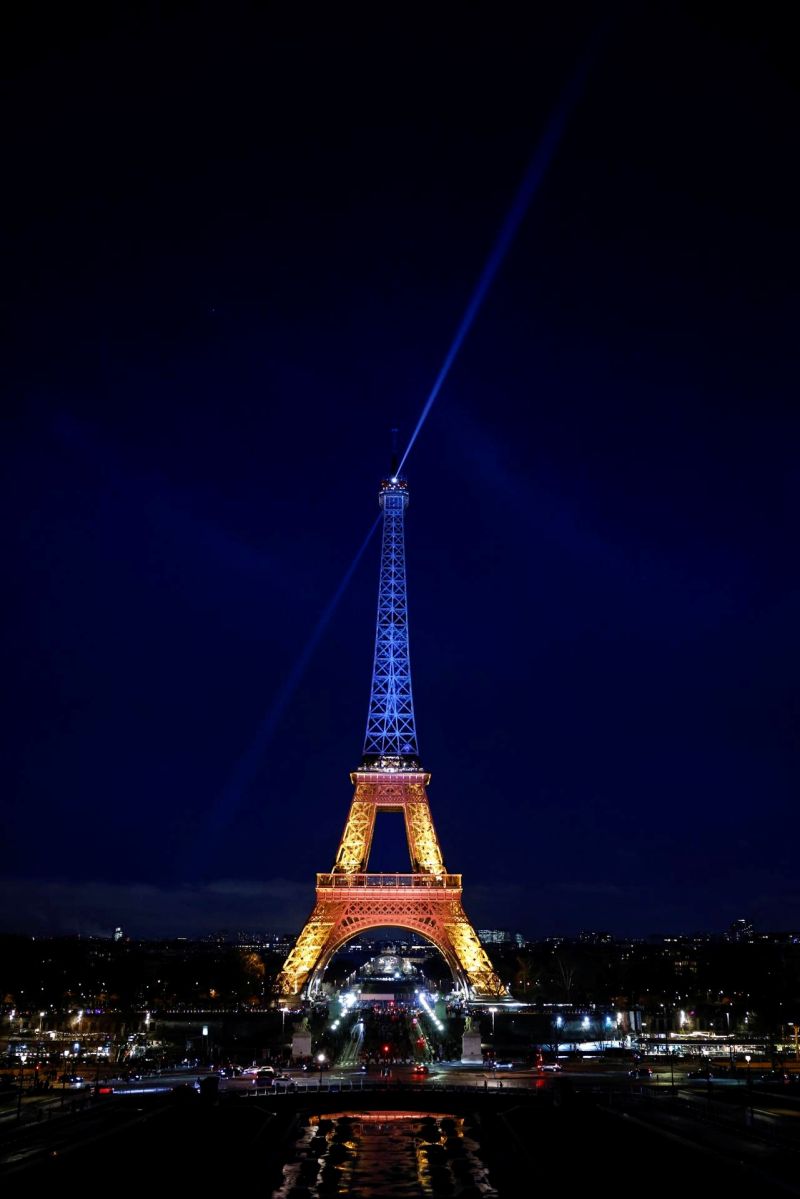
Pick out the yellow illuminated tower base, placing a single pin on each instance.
(427, 901)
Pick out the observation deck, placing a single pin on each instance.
(353, 882)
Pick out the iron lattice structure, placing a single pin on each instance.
(391, 729)
(428, 900)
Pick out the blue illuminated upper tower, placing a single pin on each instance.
(391, 739)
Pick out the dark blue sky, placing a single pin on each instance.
(237, 250)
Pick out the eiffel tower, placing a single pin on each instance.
(426, 901)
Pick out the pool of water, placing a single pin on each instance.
(376, 1155)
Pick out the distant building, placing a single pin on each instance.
(500, 936)
(741, 930)
(587, 937)
(118, 934)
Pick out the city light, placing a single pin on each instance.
(430, 1012)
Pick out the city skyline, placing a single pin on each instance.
(225, 286)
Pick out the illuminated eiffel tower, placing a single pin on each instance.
(390, 779)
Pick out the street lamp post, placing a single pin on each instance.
(21, 1085)
(749, 1114)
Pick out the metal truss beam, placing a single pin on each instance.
(391, 728)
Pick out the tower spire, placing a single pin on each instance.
(391, 738)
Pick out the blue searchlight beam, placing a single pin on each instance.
(537, 169)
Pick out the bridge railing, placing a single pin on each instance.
(393, 1087)
(348, 881)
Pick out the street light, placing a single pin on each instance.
(64, 1055)
(21, 1085)
(749, 1112)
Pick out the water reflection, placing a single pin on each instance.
(377, 1155)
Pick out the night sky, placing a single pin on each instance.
(237, 244)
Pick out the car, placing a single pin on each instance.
(505, 1065)
(551, 1067)
(74, 1081)
(781, 1076)
(264, 1078)
(704, 1074)
(420, 1068)
(640, 1072)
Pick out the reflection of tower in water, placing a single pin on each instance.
(389, 1153)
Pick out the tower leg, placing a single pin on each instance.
(423, 844)
(473, 958)
(353, 852)
(306, 953)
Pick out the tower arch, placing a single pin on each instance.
(419, 928)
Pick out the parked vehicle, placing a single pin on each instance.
(264, 1077)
